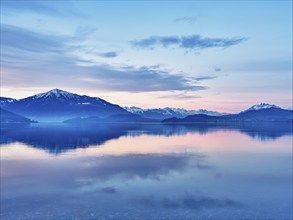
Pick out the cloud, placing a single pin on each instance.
(201, 78)
(186, 202)
(93, 52)
(108, 190)
(192, 42)
(144, 166)
(89, 173)
(82, 32)
(181, 95)
(110, 54)
(25, 53)
(191, 19)
(217, 69)
(16, 38)
(28, 6)
(141, 79)
(42, 7)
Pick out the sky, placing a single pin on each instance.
(216, 55)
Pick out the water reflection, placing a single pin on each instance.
(61, 138)
(102, 182)
(89, 172)
(146, 172)
(188, 201)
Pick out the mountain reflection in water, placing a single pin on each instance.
(58, 138)
(151, 171)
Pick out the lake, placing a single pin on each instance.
(151, 171)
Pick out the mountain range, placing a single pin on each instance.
(58, 106)
(258, 113)
(164, 113)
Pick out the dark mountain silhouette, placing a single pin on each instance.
(10, 117)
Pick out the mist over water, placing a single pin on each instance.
(151, 171)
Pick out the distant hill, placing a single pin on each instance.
(200, 118)
(59, 105)
(9, 117)
(257, 113)
(164, 113)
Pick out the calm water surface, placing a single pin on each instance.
(146, 172)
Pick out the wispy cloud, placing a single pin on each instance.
(141, 79)
(201, 78)
(50, 8)
(192, 42)
(25, 53)
(110, 54)
(217, 69)
(94, 52)
(180, 95)
(191, 19)
(109, 190)
(13, 37)
(143, 166)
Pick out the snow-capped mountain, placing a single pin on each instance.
(210, 113)
(265, 112)
(4, 100)
(56, 93)
(134, 110)
(163, 113)
(262, 106)
(59, 105)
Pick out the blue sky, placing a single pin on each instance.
(219, 55)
